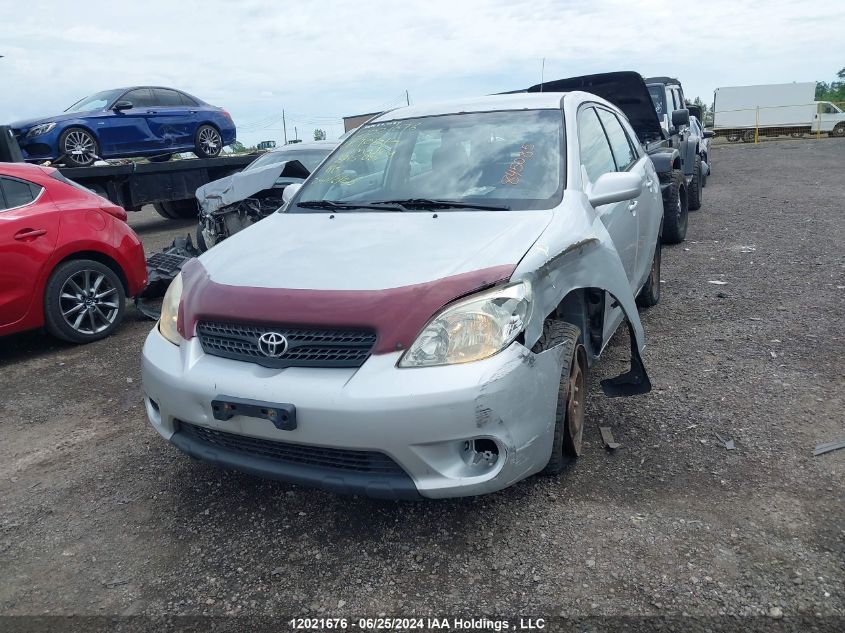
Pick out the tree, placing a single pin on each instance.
(319, 135)
(237, 147)
(833, 91)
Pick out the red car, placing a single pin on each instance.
(68, 259)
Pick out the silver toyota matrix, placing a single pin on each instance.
(419, 317)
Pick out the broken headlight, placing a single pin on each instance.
(472, 329)
(40, 129)
(170, 311)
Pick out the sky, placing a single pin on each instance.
(320, 60)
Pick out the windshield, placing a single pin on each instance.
(657, 93)
(512, 158)
(95, 102)
(309, 158)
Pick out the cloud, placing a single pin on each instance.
(322, 60)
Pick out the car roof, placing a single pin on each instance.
(23, 170)
(518, 101)
(662, 80)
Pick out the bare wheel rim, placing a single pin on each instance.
(89, 302)
(575, 402)
(80, 145)
(209, 140)
(682, 219)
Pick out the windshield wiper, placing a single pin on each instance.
(335, 205)
(429, 203)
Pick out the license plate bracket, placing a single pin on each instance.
(282, 415)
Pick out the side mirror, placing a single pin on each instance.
(122, 105)
(680, 117)
(290, 191)
(615, 187)
(709, 134)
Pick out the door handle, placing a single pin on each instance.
(632, 207)
(152, 112)
(30, 234)
(649, 183)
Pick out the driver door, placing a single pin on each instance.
(128, 131)
(619, 218)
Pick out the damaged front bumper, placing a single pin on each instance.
(450, 431)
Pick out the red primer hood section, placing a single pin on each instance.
(396, 314)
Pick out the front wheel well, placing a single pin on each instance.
(104, 259)
(584, 307)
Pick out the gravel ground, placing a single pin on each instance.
(99, 516)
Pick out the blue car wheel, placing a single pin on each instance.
(78, 147)
(209, 143)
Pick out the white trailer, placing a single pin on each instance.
(744, 112)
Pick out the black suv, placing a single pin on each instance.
(667, 94)
(627, 91)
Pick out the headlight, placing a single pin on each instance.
(472, 329)
(170, 311)
(40, 129)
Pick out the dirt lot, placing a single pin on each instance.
(101, 516)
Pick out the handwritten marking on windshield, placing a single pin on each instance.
(517, 166)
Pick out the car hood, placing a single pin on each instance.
(371, 251)
(24, 124)
(231, 189)
(626, 90)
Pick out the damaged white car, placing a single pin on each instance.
(239, 200)
(419, 319)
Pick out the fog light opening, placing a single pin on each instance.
(481, 453)
(154, 405)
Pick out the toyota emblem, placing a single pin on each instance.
(272, 344)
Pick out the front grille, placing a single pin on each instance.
(306, 347)
(328, 458)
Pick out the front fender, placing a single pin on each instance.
(664, 160)
(576, 252)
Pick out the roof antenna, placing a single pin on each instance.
(542, 72)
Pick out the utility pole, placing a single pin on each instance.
(542, 72)
(295, 133)
(407, 98)
(284, 127)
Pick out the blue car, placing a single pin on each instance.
(145, 121)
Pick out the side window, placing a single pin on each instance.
(140, 98)
(186, 100)
(18, 193)
(619, 144)
(679, 100)
(169, 98)
(633, 139)
(595, 151)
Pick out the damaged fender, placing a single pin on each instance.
(496, 408)
(574, 252)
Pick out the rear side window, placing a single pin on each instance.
(18, 193)
(596, 156)
(186, 100)
(166, 97)
(619, 144)
(140, 98)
